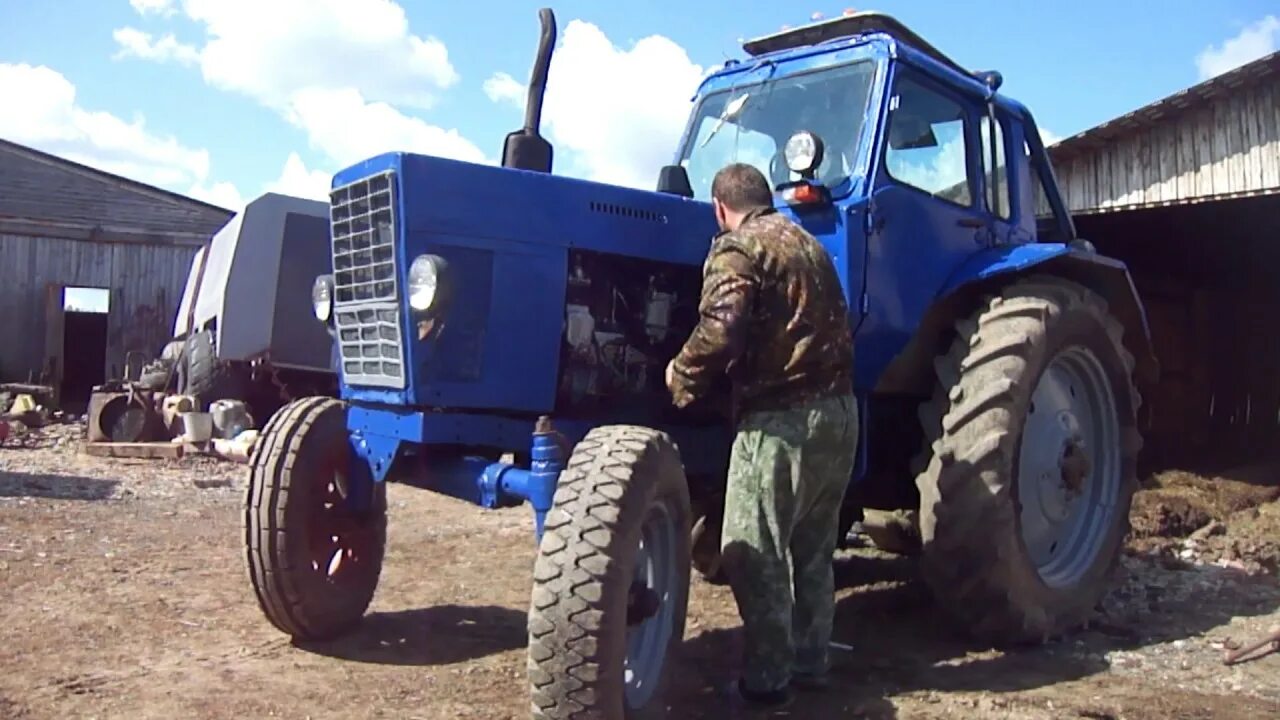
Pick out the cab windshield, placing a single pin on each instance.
(752, 124)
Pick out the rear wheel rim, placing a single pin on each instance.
(1069, 468)
(648, 641)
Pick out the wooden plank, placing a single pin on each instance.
(1269, 136)
(1221, 180)
(149, 451)
(1204, 152)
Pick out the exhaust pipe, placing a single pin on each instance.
(525, 149)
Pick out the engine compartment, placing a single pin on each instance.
(625, 318)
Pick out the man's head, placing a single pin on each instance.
(737, 190)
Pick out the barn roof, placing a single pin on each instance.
(46, 195)
(1161, 110)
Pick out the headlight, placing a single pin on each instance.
(322, 297)
(425, 279)
(803, 153)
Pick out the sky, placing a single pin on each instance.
(224, 100)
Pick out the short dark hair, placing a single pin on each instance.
(741, 187)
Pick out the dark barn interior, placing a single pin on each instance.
(1206, 273)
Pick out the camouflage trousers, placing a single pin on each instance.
(787, 477)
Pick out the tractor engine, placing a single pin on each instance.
(624, 320)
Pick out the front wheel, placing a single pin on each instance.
(611, 581)
(314, 562)
(1031, 468)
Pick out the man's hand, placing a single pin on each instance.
(671, 373)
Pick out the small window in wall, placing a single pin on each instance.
(998, 181)
(927, 147)
(86, 300)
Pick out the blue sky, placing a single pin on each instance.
(225, 99)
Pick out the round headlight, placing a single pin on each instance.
(322, 297)
(803, 152)
(424, 282)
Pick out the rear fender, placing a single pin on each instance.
(986, 272)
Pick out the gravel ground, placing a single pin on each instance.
(126, 597)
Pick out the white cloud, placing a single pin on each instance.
(329, 116)
(49, 118)
(1253, 42)
(327, 67)
(296, 180)
(618, 113)
(222, 194)
(1049, 137)
(136, 43)
(504, 88)
(153, 7)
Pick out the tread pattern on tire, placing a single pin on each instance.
(577, 613)
(269, 533)
(972, 556)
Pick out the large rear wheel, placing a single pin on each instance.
(314, 562)
(1031, 468)
(611, 581)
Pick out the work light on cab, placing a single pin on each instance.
(803, 153)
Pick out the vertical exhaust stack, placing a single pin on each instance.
(525, 149)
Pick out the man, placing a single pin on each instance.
(774, 319)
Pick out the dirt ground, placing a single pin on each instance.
(123, 595)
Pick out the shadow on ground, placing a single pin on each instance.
(903, 643)
(55, 487)
(441, 635)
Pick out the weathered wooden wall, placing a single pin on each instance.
(1218, 140)
(145, 282)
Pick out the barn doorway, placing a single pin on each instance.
(84, 344)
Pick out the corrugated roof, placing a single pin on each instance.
(40, 189)
(1167, 107)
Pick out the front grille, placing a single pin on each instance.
(366, 308)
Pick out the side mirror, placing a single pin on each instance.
(674, 180)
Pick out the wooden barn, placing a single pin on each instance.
(1186, 190)
(92, 268)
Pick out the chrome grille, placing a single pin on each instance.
(366, 309)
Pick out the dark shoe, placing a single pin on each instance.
(739, 698)
(812, 683)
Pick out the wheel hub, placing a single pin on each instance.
(642, 603)
(1069, 468)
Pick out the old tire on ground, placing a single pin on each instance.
(600, 645)
(310, 585)
(1031, 468)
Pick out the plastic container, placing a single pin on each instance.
(197, 426)
(230, 418)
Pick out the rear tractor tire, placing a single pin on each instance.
(611, 581)
(1030, 467)
(313, 561)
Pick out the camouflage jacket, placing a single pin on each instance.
(773, 317)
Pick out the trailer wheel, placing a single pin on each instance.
(1031, 468)
(314, 563)
(611, 581)
(202, 375)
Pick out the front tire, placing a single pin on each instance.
(314, 563)
(1031, 468)
(611, 581)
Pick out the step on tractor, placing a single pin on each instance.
(503, 333)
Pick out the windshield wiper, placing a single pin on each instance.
(732, 110)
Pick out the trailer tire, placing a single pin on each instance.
(1042, 367)
(203, 376)
(288, 528)
(621, 483)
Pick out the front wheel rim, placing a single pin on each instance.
(650, 637)
(1069, 468)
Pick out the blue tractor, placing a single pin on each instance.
(502, 336)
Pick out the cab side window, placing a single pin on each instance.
(928, 145)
